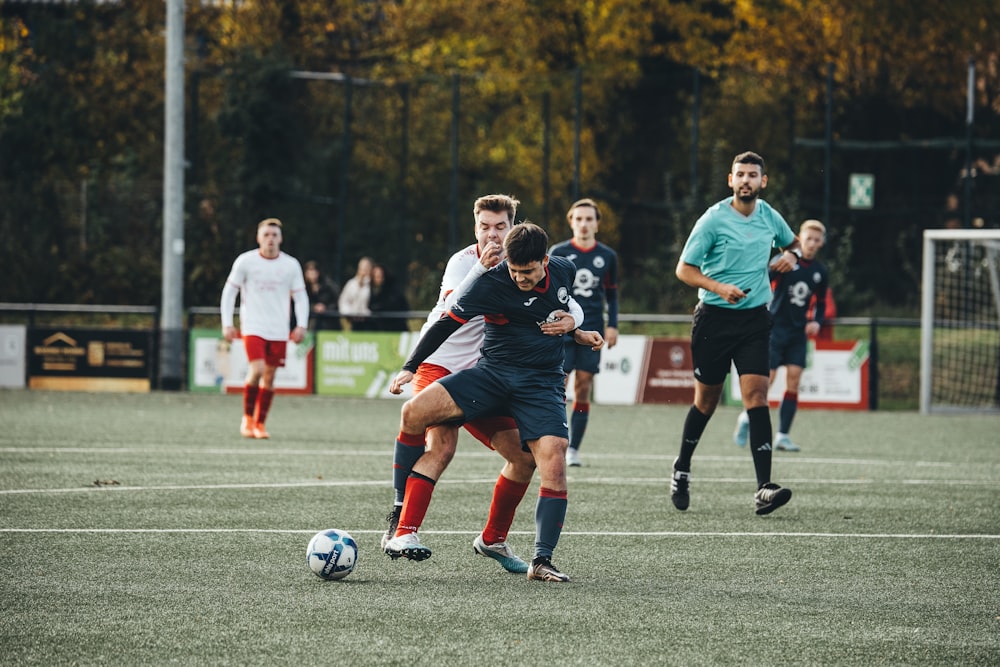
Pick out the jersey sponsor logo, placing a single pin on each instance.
(552, 317)
(585, 283)
(530, 301)
(799, 293)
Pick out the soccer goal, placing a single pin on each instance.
(960, 321)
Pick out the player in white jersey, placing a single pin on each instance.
(265, 279)
(494, 217)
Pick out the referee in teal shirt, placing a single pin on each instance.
(726, 257)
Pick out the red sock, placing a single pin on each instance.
(263, 405)
(415, 503)
(507, 495)
(250, 399)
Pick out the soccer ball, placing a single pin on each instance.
(332, 554)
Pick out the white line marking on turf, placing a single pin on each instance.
(165, 450)
(572, 533)
(635, 481)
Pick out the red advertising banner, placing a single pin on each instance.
(669, 376)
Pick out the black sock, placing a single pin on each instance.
(694, 426)
(760, 443)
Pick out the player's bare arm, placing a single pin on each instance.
(788, 259)
(402, 378)
(611, 336)
(491, 255)
(592, 338)
(691, 275)
(563, 324)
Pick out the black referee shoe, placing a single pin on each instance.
(770, 497)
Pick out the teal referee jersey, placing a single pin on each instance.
(734, 249)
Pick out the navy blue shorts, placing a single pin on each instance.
(581, 357)
(788, 347)
(536, 399)
(722, 337)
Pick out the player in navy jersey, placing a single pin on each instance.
(791, 327)
(726, 258)
(524, 301)
(596, 284)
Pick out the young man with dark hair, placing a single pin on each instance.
(595, 286)
(726, 257)
(524, 300)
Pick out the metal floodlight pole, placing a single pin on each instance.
(172, 286)
(970, 113)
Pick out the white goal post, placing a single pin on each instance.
(960, 321)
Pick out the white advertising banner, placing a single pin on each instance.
(13, 338)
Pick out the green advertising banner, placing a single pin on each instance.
(361, 363)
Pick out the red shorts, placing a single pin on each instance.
(271, 351)
(482, 429)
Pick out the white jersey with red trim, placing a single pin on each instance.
(462, 349)
(264, 286)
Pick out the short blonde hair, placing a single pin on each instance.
(813, 224)
(268, 222)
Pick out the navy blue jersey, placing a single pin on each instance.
(596, 281)
(792, 292)
(513, 318)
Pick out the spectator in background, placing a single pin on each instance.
(353, 302)
(386, 297)
(323, 293)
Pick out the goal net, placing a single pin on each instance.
(960, 321)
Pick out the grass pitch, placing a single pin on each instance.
(141, 529)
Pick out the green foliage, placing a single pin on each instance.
(370, 170)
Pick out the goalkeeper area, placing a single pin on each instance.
(141, 529)
(960, 321)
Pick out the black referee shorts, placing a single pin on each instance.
(721, 337)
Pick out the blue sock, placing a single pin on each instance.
(550, 512)
(578, 424)
(408, 450)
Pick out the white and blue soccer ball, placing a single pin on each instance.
(332, 554)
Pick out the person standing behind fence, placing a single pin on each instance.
(353, 302)
(791, 328)
(726, 258)
(323, 293)
(596, 284)
(265, 279)
(386, 297)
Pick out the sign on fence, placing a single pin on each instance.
(90, 359)
(218, 365)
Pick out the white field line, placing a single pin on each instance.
(633, 481)
(571, 533)
(165, 450)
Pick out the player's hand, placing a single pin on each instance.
(592, 338)
(562, 324)
(230, 333)
(611, 336)
(402, 378)
(731, 293)
(812, 328)
(298, 334)
(784, 262)
(491, 255)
